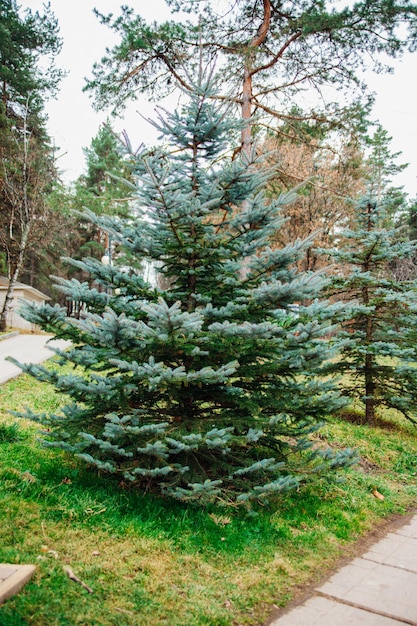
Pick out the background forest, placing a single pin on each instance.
(340, 150)
(254, 184)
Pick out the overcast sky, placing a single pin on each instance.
(73, 122)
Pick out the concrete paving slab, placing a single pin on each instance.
(383, 589)
(319, 611)
(409, 530)
(395, 549)
(26, 349)
(6, 571)
(12, 579)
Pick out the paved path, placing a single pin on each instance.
(26, 349)
(378, 588)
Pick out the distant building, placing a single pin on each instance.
(22, 293)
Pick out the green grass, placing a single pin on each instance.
(151, 561)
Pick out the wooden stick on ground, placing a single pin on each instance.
(75, 578)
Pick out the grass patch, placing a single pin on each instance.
(151, 561)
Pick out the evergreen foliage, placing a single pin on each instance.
(378, 351)
(412, 219)
(104, 188)
(268, 53)
(382, 166)
(206, 385)
(24, 39)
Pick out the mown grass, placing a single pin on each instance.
(150, 561)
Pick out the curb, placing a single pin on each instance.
(12, 579)
(13, 333)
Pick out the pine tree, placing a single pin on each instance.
(382, 166)
(378, 329)
(25, 37)
(104, 188)
(268, 54)
(210, 387)
(412, 219)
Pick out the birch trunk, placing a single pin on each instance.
(8, 302)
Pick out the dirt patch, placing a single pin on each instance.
(367, 467)
(353, 417)
(358, 418)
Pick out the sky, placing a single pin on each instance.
(73, 121)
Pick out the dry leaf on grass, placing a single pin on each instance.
(28, 477)
(378, 495)
(220, 520)
(53, 553)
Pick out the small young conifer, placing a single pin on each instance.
(378, 353)
(208, 384)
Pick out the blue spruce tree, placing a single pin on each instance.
(378, 335)
(208, 384)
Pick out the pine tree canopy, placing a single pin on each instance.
(206, 385)
(267, 53)
(23, 40)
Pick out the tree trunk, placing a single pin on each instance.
(369, 360)
(246, 136)
(247, 94)
(13, 279)
(369, 390)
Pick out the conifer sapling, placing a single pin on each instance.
(378, 352)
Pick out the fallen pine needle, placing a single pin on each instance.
(75, 578)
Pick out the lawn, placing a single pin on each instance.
(149, 561)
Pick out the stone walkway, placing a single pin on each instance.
(378, 588)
